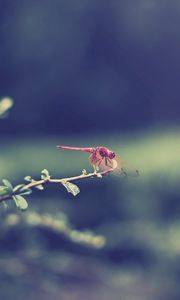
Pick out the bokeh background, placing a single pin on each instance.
(89, 73)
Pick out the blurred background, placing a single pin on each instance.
(88, 73)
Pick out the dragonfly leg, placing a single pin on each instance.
(97, 165)
(99, 162)
(96, 168)
(108, 163)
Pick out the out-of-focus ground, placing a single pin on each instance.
(44, 254)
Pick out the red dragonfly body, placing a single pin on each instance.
(102, 158)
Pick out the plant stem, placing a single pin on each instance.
(35, 183)
(79, 177)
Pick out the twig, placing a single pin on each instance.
(49, 180)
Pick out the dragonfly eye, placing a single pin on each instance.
(102, 153)
(112, 155)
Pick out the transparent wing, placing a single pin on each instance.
(107, 164)
(117, 167)
(125, 169)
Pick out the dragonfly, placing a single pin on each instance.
(105, 160)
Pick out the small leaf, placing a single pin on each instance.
(39, 187)
(28, 178)
(21, 202)
(45, 174)
(71, 188)
(18, 187)
(84, 172)
(4, 190)
(5, 104)
(98, 175)
(21, 189)
(25, 192)
(8, 184)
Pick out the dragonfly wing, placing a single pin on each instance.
(124, 169)
(116, 166)
(106, 164)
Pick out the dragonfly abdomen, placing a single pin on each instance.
(89, 150)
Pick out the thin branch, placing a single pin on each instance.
(35, 183)
(5, 197)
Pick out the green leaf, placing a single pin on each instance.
(28, 178)
(71, 188)
(21, 189)
(39, 187)
(18, 187)
(8, 184)
(4, 190)
(84, 172)
(21, 202)
(5, 104)
(98, 175)
(45, 174)
(25, 192)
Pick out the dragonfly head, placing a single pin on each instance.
(112, 155)
(105, 152)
